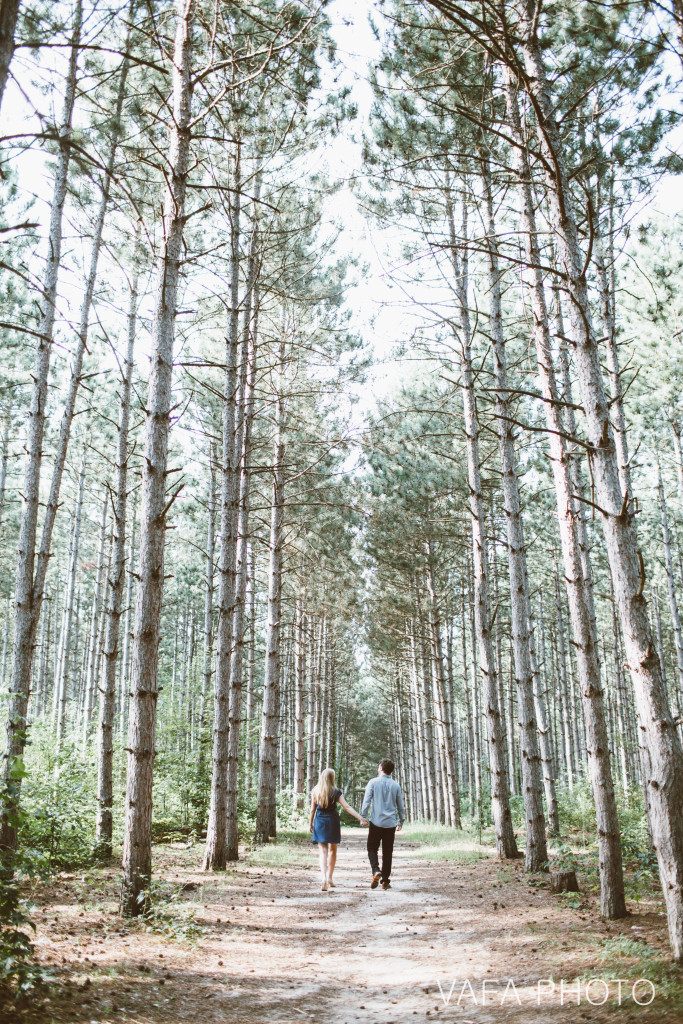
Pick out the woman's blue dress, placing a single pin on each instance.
(326, 824)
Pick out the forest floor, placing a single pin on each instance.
(460, 937)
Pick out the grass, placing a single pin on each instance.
(626, 958)
(290, 849)
(438, 842)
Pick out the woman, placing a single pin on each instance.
(325, 824)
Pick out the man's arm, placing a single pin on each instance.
(367, 798)
(400, 807)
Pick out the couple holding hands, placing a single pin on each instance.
(382, 812)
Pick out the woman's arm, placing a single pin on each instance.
(313, 807)
(350, 810)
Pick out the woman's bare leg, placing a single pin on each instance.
(332, 860)
(322, 853)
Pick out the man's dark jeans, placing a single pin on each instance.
(385, 836)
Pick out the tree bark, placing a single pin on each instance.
(251, 667)
(520, 604)
(65, 667)
(540, 689)
(238, 629)
(579, 584)
(137, 846)
(215, 851)
(28, 597)
(4, 459)
(92, 660)
(299, 694)
(500, 797)
(124, 680)
(107, 684)
(266, 807)
(665, 763)
(568, 710)
(207, 671)
(442, 719)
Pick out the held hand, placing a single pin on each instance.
(364, 822)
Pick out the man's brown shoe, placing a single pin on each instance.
(386, 884)
(375, 880)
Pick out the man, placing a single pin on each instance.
(386, 818)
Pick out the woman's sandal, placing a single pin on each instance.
(331, 883)
(323, 887)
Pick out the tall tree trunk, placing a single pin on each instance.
(27, 595)
(266, 806)
(5, 643)
(299, 694)
(616, 514)
(137, 846)
(4, 459)
(208, 604)
(540, 689)
(251, 667)
(469, 735)
(42, 667)
(238, 629)
(92, 662)
(312, 727)
(570, 753)
(500, 797)
(607, 317)
(65, 669)
(579, 584)
(441, 708)
(215, 851)
(498, 647)
(78, 355)
(520, 604)
(117, 582)
(420, 728)
(124, 680)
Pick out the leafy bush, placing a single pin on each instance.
(178, 795)
(18, 971)
(20, 975)
(58, 800)
(577, 810)
(563, 858)
(288, 817)
(517, 810)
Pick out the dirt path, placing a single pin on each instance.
(276, 950)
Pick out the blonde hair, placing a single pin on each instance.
(322, 793)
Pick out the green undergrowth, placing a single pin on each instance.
(438, 842)
(171, 914)
(633, 960)
(291, 848)
(576, 848)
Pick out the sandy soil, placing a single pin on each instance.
(274, 949)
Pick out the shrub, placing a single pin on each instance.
(58, 800)
(20, 975)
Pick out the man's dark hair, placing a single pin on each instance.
(387, 765)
